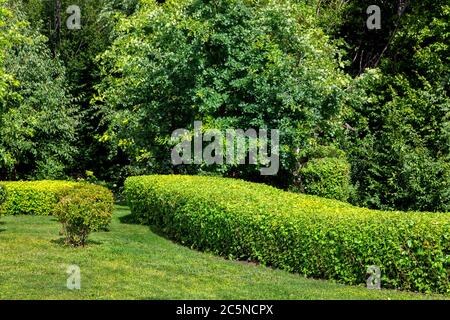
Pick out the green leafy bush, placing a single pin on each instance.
(313, 236)
(325, 172)
(84, 209)
(327, 177)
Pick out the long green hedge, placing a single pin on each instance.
(306, 234)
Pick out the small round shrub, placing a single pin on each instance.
(325, 172)
(82, 210)
(327, 177)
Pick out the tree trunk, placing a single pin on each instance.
(57, 31)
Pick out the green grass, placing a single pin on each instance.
(132, 262)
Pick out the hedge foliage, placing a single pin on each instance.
(327, 177)
(43, 198)
(34, 197)
(313, 236)
(83, 209)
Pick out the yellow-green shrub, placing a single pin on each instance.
(83, 209)
(313, 236)
(324, 172)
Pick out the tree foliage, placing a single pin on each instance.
(400, 151)
(236, 63)
(37, 119)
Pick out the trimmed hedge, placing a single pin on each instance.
(34, 197)
(313, 236)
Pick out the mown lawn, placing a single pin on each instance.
(132, 262)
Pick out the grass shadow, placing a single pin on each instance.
(62, 242)
(160, 233)
(129, 219)
(104, 229)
